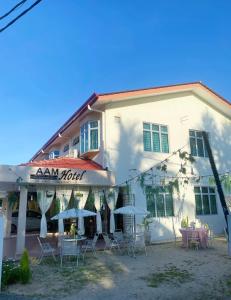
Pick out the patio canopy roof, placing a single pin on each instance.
(60, 171)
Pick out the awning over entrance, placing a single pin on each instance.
(59, 171)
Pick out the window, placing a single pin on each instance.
(66, 148)
(161, 203)
(155, 138)
(197, 144)
(89, 136)
(54, 154)
(205, 198)
(75, 141)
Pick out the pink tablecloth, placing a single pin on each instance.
(202, 233)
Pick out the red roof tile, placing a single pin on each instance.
(65, 162)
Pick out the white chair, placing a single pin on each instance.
(90, 245)
(193, 240)
(109, 243)
(46, 249)
(138, 244)
(69, 248)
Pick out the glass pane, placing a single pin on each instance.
(193, 146)
(164, 140)
(82, 140)
(156, 142)
(198, 134)
(198, 204)
(160, 205)
(164, 129)
(200, 147)
(213, 204)
(147, 141)
(192, 133)
(155, 127)
(151, 205)
(94, 124)
(206, 204)
(212, 190)
(205, 189)
(197, 189)
(169, 205)
(86, 137)
(146, 126)
(94, 139)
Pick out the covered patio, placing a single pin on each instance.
(60, 178)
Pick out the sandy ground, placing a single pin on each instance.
(168, 272)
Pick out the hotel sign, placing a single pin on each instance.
(57, 174)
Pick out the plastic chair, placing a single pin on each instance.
(109, 243)
(70, 248)
(193, 240)
(90, 245)
(138, 243)
(46, 249)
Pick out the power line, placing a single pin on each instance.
(13, 8)
(20, 15)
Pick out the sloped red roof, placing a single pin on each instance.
(65, 162)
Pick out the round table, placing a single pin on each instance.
(202, 233)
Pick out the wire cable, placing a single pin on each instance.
(10, 11)
(20, 15)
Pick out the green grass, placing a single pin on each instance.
(172, 275)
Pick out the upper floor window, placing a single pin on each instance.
(205, 198)
(197, 143)
(66, 148)
(89, 136)
(75, 141)
(161, 203)
(155, 137)
(54, 154)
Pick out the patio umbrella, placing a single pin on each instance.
(132, 211)
(73, 213)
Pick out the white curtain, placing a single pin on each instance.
(83, 194)
(45, 198)
(64, 197)
(97, 195)
(111, 197)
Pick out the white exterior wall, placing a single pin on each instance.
(124, 149)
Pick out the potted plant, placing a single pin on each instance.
(184, 222)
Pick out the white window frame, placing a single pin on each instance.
(198, 138)
(159, 132)
(89, 136)
(52, 154)
(155, 204)
(202, 202)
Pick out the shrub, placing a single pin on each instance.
(11, 273)
(25, 267)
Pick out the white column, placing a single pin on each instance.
(7, 211)
(21, 230)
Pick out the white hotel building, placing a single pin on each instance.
(114, 137)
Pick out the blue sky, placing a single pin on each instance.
(62, 51)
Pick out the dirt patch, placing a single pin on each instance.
(168, 272)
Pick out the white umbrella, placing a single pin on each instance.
(73, 213)
(131, 210)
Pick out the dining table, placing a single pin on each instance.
(201, 233)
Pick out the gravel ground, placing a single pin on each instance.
(168, 272)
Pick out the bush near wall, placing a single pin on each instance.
(14, 272)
